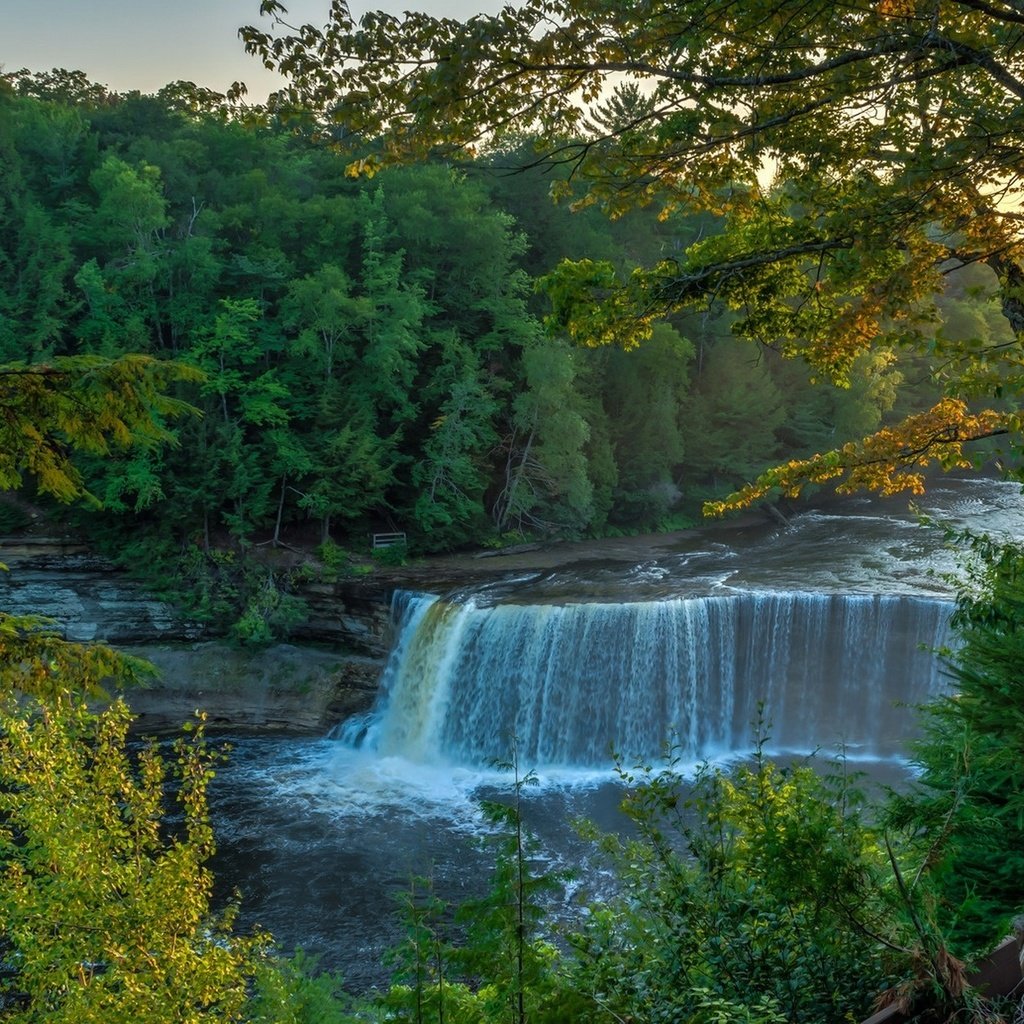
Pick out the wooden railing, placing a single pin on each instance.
(999, 974)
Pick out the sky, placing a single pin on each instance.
(144, 44)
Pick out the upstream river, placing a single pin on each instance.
(829, 622)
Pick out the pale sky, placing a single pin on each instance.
(144, 44)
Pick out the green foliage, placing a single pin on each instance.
(757, 895)
(839, 198)
(98, 405)
(235, 594)
(333, 557)
(106, 910)
(424, 980)
(36, 661)
(504, 946)
(371, 352)
(733, 415)
(293, 991)
(502, 968)
(393, 554)
(269, 612)
(13, 518)
(968, 806)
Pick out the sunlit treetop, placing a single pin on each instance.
(74, 87)
(81, 403)
(854, 154)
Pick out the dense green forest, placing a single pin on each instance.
(374, 351)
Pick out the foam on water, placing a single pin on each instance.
(824, 620)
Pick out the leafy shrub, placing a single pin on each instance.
(293, 991)
(13, 518)
(107, 905)
(394, 555)
(754, 898)
(503, 969)
(270, 611)
(333, 557)
(967, 812)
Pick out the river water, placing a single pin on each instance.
(829, 622)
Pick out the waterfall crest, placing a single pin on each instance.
(572, 681)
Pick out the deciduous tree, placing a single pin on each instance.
(853, 155)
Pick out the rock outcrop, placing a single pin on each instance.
(85, 595)
(299, 688)
(281, 688)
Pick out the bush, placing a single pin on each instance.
(106, 904)
(757, 897)
(967, 812)
(270, 611)
(393, 555)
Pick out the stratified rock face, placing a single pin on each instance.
(284, 687)
(355, 614)
(85, 595)
(279, 688)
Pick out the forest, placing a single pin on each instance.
(352, 354)
(374, 353)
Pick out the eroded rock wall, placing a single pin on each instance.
(281, 688)
(302, 687)
(85, 595)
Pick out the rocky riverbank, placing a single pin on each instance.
(300, 687)
(329, 671)
(283, 688)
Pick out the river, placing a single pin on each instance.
(830, 622)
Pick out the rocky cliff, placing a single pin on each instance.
(300, 687)
(84, 594)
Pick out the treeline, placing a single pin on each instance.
(373, 351)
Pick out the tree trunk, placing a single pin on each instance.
(513, 479)
(280, 513)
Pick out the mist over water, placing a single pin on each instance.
(830, 622)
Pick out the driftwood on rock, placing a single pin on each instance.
(515, 549)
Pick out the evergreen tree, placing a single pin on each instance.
(968, 804)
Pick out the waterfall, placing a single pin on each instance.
(572, 681)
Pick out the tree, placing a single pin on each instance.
(105, 907)
(545, 484)
(756, 893)
(245, 402)
(321, 306)
(852, 156)
(80, 402)
(733, 416)
(451, 475)
(968, 804)
(106, 917)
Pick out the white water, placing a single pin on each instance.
(569, 682)
(828, 621)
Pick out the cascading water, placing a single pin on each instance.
(320, 835)
(569, 682)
